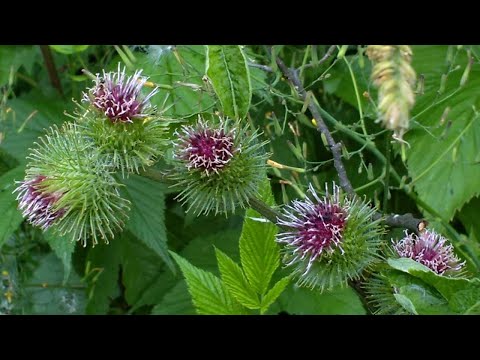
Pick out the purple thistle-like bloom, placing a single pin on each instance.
(205, 148)
(316, 226)
(119, 97)
(36, 204)
(430, 249)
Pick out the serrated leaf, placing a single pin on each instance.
(274, 293)
(177, 301)
(208, 293)
(228, 72)
(147, 218)
(432, 164)
(11, 217)
(236, 282)
(69, 49)
(462, 294)
(259, 253)
(145, 276)
(63, 248)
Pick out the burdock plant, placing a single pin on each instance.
(218, 166)
(428, 248)
(330, 240)
(68, 186)
(122, 123)
(432, 250)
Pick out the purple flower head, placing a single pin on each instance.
(317, 226)
(119, 97)
(205, 148)
(430, 249)
(36, 204)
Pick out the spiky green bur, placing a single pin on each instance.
(127, 146)
(427, 248)
(218, 167)
(331, 240)
(394, 76)
(87, 195)
(122, 122)
(381, 294)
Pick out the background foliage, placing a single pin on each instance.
(232, 264)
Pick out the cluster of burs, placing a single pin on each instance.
(72, 184)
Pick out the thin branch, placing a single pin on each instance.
(406, 221)
(261, 67)
(52, 70)
(335, 147)
(263, 209)
(329, 53)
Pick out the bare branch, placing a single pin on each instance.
(406, 221)
(262, 67)
(335, 147)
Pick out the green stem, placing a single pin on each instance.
(354, 136)
(265, 210)
(156, 175)
(386, 189)
(357, 94)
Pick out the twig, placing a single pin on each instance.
(335, 147)
(264, 209)
(262, 67)
(406, 221)
(52, 70)
(329, 53)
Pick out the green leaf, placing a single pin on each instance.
(177, 301)
(259, 253)
(14, 56)
(303, 301)
(208, 293)
(30, 115)
(69, 49)
(141, 272)
(228, 72)
(179, 73)
(103, 265)
(406, 303)
(274, 293)
(443, 160)
(45, 293)
(417, 296)
(147, 218)
(462, 294)
(146, 279)
(236, 282)
(11, 217)
(63, 248)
